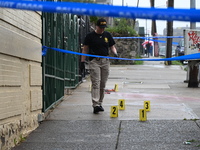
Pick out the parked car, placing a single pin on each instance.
(163, 49)
(180, 48)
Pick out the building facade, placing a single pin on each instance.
(20, 75)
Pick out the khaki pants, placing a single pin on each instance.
(99, 71)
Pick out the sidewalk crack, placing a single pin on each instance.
(197, 124)
(119, 131)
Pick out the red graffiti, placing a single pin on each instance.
(193, 36)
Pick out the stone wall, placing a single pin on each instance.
(126, 48)
(20, 75)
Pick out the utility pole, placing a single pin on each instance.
(169, 33)
(153, 27)
(135, 18)
(193, 67)
(154, 32)
(192, 6)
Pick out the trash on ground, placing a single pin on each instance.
(187, 143)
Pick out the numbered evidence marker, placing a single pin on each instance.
(116, 89)
(114, 111)
(121, 103)
(147, 105)
(143, 115)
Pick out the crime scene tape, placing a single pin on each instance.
(174, 43)
(152, 38)
(185, 57)
(169, 14)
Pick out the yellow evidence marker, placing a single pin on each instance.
(121, 104)
(114, 111)
(116, 88)
(143, 115)
(90, 88)
(147, 105)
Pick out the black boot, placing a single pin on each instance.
(102, 109)
(96, 109)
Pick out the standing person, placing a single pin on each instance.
(98, 42)
(151, 50)
(148, 45)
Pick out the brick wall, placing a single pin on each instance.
(20, 75)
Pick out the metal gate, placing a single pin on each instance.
(60, 70)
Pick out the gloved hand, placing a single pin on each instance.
(116, 55)
(82, 66)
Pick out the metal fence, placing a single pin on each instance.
(61, 70)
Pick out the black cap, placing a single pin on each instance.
(102, 23)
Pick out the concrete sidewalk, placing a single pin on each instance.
(173, 117)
